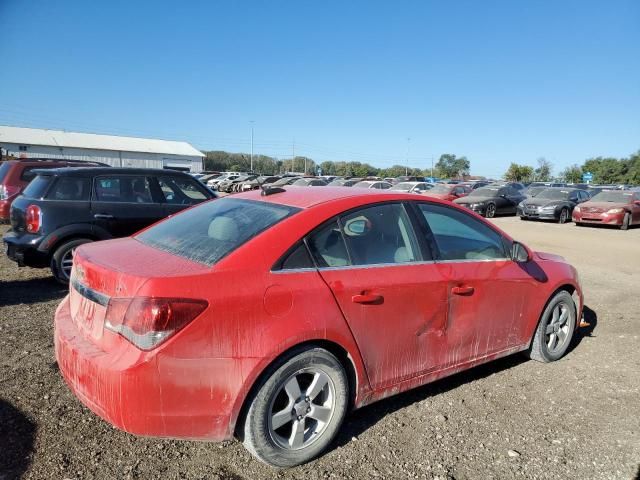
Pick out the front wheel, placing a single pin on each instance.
(298, 408)
(490, 211)
(626, 221)
(62, 259)
(555, 330)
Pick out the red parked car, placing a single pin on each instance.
(449, 191)
(610, 207)
(267, 315)
(15, 175)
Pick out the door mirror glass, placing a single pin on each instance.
(519, 253)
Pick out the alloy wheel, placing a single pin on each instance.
(302, 409)
(558, 328)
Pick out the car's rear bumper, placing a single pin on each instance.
(146, 394)
(22, 248)
(599, 218)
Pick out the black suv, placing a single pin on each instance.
(63, 208)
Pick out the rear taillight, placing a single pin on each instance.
(33, 218)
(147, 321)
(7, 191)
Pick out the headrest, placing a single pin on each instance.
(224, 229)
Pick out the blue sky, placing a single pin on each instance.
(497, 81)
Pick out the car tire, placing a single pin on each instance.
(490, 210)
(579, 224)
(60, 261)
(288, 393)
(626, 221)
(564, 216)
(555, 329)
(524, 218)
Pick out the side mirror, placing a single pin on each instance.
(519, 253)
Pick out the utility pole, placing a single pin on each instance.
(251, 122)
(293, 155)
(431, 167)
(406, 169)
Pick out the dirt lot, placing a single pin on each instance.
(577, 418)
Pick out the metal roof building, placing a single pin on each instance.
(113, 150)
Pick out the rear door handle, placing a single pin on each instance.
(103, 216)
(462, 290)
(367, 298)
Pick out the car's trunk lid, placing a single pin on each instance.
(116, 269)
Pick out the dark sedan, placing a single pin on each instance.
(555, 203)
(493, 200)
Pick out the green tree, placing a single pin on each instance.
(451, 166)
(543, 172)
(519, 173)
(572, 174)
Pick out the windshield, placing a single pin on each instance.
(534, 191)
(442, 189)
(614, 197)
(553, 194)
(208, 232)
(485, 192)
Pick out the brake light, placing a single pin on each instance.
(147, 321)
(33, 218)
(8, 191)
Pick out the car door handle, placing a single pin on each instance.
(103, 216)
(462, 290)
(367, 298)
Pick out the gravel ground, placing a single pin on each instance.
(576, 418)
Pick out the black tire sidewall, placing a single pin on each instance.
(255, 433)
(562, 296)
(60, 252)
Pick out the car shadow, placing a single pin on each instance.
(364, 418)
(34, 290)
(589, 317)
(18, 437)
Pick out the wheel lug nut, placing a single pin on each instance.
(307, 399)
(299, 417)
(308, 409)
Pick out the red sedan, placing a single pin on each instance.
(449, 192)
(610, 207)
(268, 316)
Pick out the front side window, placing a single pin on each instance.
(70, 188)
(210, 231)
(182, 191)
(459, 236)
(127, 189)
(380, 234)
(327, 246)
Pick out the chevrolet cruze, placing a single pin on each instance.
(269, 314)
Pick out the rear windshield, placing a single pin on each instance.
(207, 233)
(615, 197)
(485, 192)
(4, 169)
(37, 186)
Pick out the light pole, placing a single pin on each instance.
(251, 122)
(406, 169)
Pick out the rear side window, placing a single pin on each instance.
(460, 236)
(71, 188)
(129, 189)
(182, 191)
(210, 231)
(37, 187)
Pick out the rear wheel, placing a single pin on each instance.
(626, 221)
(297, 409)
(564, 215)
(490, 211)
(62, 259)
(555, 330)
(524, 218)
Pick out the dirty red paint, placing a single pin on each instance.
(437, 318)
